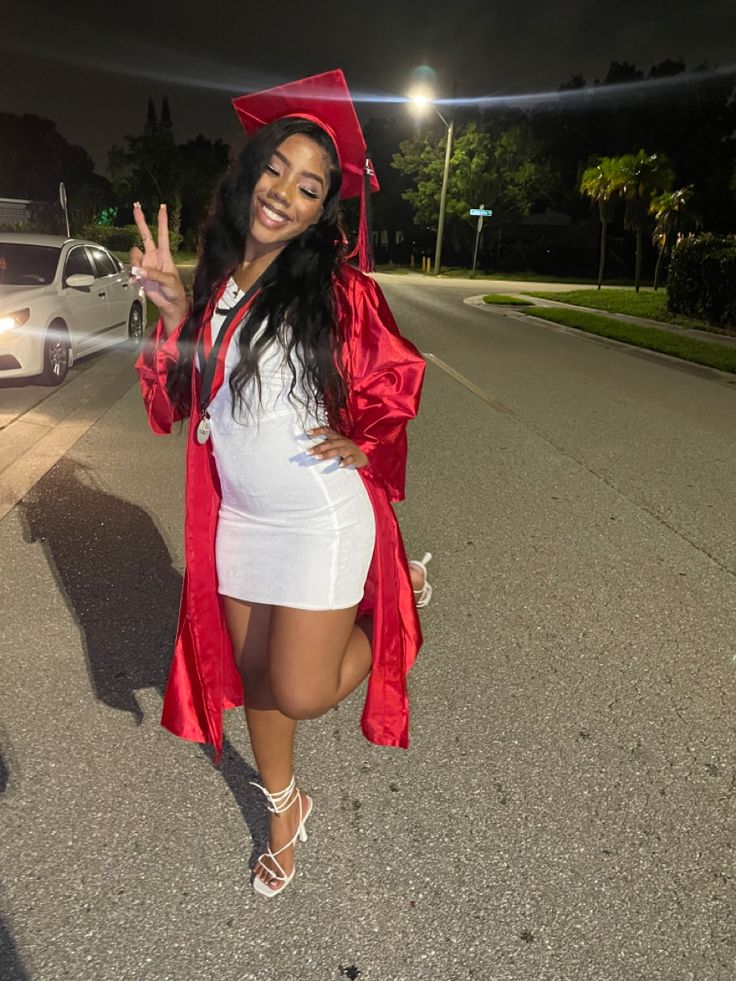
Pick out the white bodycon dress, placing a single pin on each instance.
(292, 531)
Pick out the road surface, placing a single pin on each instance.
(566, 808)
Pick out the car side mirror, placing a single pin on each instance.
(80, 281)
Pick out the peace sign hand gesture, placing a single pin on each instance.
(155, 271)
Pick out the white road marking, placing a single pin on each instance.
(467, 383)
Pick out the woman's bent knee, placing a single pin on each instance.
(303, 705)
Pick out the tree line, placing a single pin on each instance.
(628, 139)
(150, 167)
(670, 123)
(643, 182)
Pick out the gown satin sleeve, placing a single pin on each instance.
(158, 354)
(386, 375)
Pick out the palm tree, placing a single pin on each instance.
(596, 183)
(637, 178)
(672, 216)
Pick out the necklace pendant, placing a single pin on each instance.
(204, 428)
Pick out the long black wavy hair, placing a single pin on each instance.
(296, 289)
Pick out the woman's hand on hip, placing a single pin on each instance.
(154, 269)
(335, 445)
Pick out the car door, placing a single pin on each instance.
(117, 288)
(87, 305)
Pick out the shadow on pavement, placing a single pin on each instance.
(11, 967)
(4, 775)
(115, 572)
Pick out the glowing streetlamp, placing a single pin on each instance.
(421, 100)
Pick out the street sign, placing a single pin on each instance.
(480, 214)
(64, 207)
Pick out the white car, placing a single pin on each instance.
(61, 299)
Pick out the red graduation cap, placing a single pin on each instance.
(325, 100)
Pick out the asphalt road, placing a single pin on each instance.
(566, 809)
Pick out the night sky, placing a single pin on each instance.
(92, 66)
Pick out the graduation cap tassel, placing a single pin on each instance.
(363, 247)
(365, 231)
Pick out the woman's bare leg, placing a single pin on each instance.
(271, 732)
(357, 659)
(316, 658)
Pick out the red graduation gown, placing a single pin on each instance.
(386, 373)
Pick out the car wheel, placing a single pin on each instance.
(55, 356)
(135, 322)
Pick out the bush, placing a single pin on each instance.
(122, 239)
(702, 279)
(27, 227)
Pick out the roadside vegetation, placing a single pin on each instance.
(708, 353)
(648, 304)
(183, 258)
(522, 276)
(499, 299)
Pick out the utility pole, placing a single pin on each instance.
(443, 195)
(64, 207)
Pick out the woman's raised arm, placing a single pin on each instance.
(155, 270)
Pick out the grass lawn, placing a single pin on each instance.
(712, 354)
(389, 267)
(152, 313)
(527, 276)
(647, 304)
(180, 258)
(460, 272)
(501, 299)
(524, 276)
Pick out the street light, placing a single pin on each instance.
(421, 100)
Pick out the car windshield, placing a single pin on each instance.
(27, 265)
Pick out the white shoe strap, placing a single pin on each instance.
(281, 801)
(422, 564)
(280, 875)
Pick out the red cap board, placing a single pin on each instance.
(324, 99)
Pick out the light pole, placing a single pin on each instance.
(421, 101)
(443, 195)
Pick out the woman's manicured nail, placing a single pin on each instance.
(136, 204)
(136, 271)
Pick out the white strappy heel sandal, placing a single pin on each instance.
(424, 595)
(278, 804)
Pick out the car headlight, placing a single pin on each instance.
(9, 321)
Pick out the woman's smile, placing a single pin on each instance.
(269, 216)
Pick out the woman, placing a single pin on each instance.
(298, 387)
